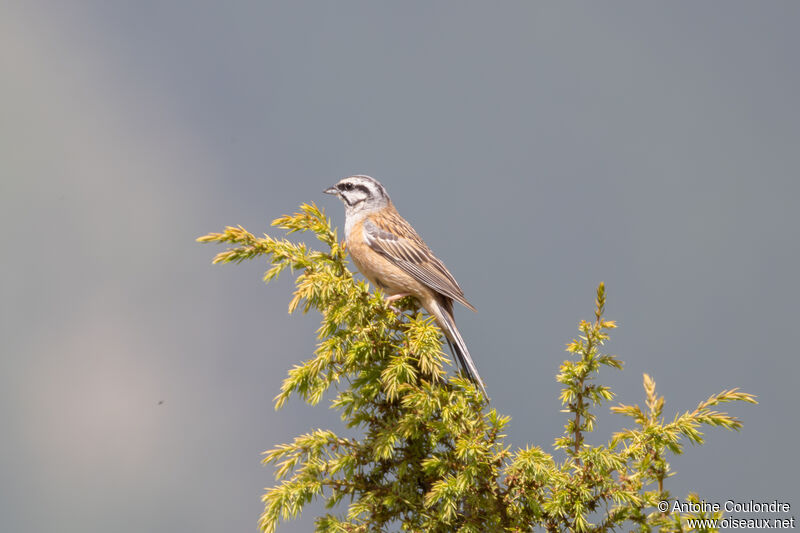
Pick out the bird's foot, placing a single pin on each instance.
(394, 298)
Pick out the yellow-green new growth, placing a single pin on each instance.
(428, 456)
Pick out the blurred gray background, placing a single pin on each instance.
(538, 148)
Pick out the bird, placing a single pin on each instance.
(393, 257)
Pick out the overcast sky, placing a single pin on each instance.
(539, 148)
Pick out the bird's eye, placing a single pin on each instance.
(347, 186)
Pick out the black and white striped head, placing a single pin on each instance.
(360, 193)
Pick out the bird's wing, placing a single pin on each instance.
(394, 238)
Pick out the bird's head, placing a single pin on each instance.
(360, 193)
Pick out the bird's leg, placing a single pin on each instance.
(394, 298)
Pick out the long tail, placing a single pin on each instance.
(444, 315)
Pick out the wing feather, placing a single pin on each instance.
(395, 239)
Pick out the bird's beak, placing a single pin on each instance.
(331, 190)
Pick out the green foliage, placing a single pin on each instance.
(431, 454)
